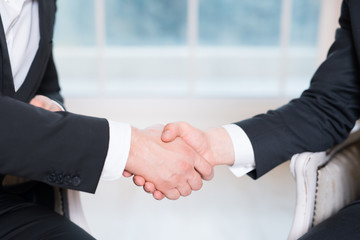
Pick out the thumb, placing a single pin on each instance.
(170, 132)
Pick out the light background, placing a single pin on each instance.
(209, 62)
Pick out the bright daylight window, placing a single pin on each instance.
(214, 48)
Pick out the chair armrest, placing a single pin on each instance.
(68, 204)
(304, 169)
(320, 180)
(76, 213)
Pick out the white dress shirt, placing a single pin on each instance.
(20, 19)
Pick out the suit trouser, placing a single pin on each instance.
(20, 219)
(344, 225)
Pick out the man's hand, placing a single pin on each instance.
(45, 103)
(173, 168)
(214, 145)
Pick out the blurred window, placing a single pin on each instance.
(239, 22)
(150, 22)
(222, 48)
(75, 47)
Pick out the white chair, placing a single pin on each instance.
(325, 183)
(68, 203)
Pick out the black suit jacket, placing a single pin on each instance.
(61, 149)
(324, 114)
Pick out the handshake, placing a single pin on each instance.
(172, 161)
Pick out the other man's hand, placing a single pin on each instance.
(173, 168)
(214, 145)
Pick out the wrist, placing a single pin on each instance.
(130, 164)
(221, 146)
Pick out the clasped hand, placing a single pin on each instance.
(172, 161)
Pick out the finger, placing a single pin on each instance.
(139, 181)
(195, 182)
(171, 131)
(184, 189)
(149, 187)
(204, 168)
(191, 135)
(158, 195)
(127, 174)
(172, 194)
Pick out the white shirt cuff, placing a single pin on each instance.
(118, 152)
(244, 153)
(59, 105)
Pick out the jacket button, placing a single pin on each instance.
(67, 180)
(76, 181)
(59, 179)
(51, 177)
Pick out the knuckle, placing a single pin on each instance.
(184, 126)
(169, 183)
(208, 172)
(186, 193)
(198, 185)
(172, 195)
(185, 166)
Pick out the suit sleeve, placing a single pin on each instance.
(322, 117)
(61, 148)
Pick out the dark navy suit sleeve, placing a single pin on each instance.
(62, 149)
(324, 114)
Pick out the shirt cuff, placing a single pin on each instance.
(118, 152)
(59, 105)
(244, 153)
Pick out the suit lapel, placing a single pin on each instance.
(6, 81)
(38, 66)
